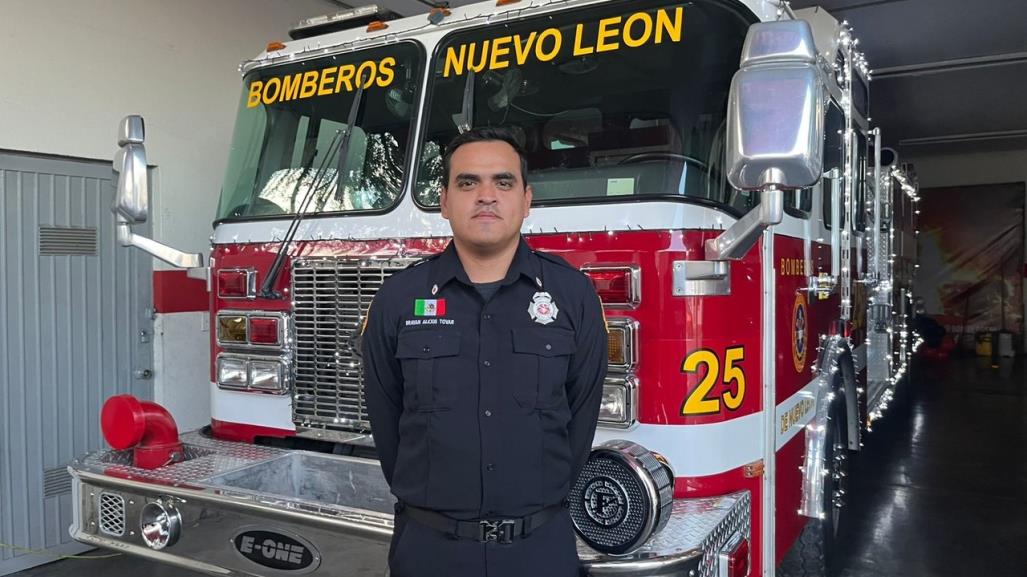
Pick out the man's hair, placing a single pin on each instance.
(484, 134)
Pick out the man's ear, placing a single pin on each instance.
(529, 193)
(443, 198)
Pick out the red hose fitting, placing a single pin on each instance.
(147, 428)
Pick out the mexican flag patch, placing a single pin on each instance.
(430, 307)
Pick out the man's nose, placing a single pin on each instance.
(486, 194)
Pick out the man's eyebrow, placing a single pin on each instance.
(504, 176)
(468, 176)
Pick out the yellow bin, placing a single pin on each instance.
(983, 344)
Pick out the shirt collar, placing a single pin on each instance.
(449, 267)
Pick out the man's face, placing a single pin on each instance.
(485, 199)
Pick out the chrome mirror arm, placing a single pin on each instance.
(735, 242)
(172, 256)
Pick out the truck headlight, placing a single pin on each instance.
(618, 405)
(266, 375)
(232, 372)
(622, 497)
(251, 373)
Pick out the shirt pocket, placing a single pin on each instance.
(544, 354)
(427, 357)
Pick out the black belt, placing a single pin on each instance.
(481, 530)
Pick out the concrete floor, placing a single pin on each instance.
(940, 489)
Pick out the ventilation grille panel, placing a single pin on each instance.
(66, 240)
(56, 481)
(112, 514)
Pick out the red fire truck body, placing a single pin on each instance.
(750, 348)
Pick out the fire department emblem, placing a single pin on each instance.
(542, 308)
(606, 502)
(800, 333)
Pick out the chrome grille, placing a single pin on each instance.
(112, 514)
(330, 300)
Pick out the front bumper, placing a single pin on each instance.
(247, 510)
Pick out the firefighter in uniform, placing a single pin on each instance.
(484, 368)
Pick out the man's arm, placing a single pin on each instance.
(586, 376)
(383, 385)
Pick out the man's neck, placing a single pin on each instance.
(486, 267)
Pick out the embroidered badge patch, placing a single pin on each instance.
(542, 308)
(800, 333)
(430, 307)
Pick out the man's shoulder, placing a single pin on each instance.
(556, 268)
(555, 259)
(404, 280)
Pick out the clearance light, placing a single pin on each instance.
(252, 330)
(275, 45)
(237, 284)
(506, 2)
(618, 287)
(265, 331)
(621, 343)
(376, 26)
(734, 558)
(231, 329)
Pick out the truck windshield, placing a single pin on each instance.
(616, 102)
(289, 117)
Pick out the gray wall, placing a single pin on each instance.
(74, 332)
(72, 70)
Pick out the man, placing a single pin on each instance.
(484, 368)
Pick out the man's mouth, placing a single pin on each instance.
(487, 216)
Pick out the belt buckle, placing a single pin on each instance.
(496, 531)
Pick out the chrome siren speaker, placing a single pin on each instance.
(622, 497)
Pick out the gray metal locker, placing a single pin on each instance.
(73, 321)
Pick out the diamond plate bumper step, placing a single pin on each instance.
(336, 510)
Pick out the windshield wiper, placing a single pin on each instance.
(347, 135)
(464, 121)
(267, 288)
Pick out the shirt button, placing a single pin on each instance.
(427, 349)
(490, 467)
(487, 363)
(488, 413)
(549, 347)
(486, 316)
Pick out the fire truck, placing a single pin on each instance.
(709, 164)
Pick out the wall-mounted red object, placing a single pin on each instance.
(146, 428)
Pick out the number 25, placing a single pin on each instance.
(698, 401)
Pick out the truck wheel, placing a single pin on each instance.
(815, 553)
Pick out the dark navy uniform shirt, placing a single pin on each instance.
(484, 409)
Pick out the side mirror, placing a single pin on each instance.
(775, 128)
(132, 200)
(776, 110)
(131, 205)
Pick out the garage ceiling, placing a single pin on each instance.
(950, 75)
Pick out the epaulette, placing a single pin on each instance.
(555, 259)
(424, 260)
